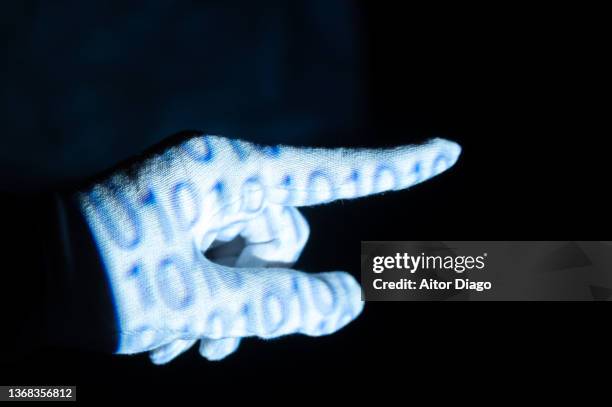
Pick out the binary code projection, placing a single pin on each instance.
(154, 223)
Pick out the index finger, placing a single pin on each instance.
(309, 176)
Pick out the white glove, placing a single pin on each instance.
(154, 222)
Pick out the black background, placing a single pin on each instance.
(516, 87)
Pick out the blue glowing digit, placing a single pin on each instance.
(238, 149)
(118, 233)
(246, 312)
(270, 151)
(271, 321)
(354, 178)
(250, 187)
(314, 195)
(179, 205)
(150, 200)
(287, 185)
(299, 293)
(318, 297)
(417, 172)
(219, 190)
(441, 163)
(378, 174)
(145, 291)
(209, 274)
(175, 297)
(211, 279)
(199, 149)
(233, 279)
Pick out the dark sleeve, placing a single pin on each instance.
(80, 303)
(54, 290)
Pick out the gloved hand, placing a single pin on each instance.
(197, 240)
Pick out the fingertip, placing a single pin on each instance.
(218, 349)
(447, 154)
(158, 360)
(346, 304)
(354, 293)
(168, 352)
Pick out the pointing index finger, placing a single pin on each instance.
(310, 176)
